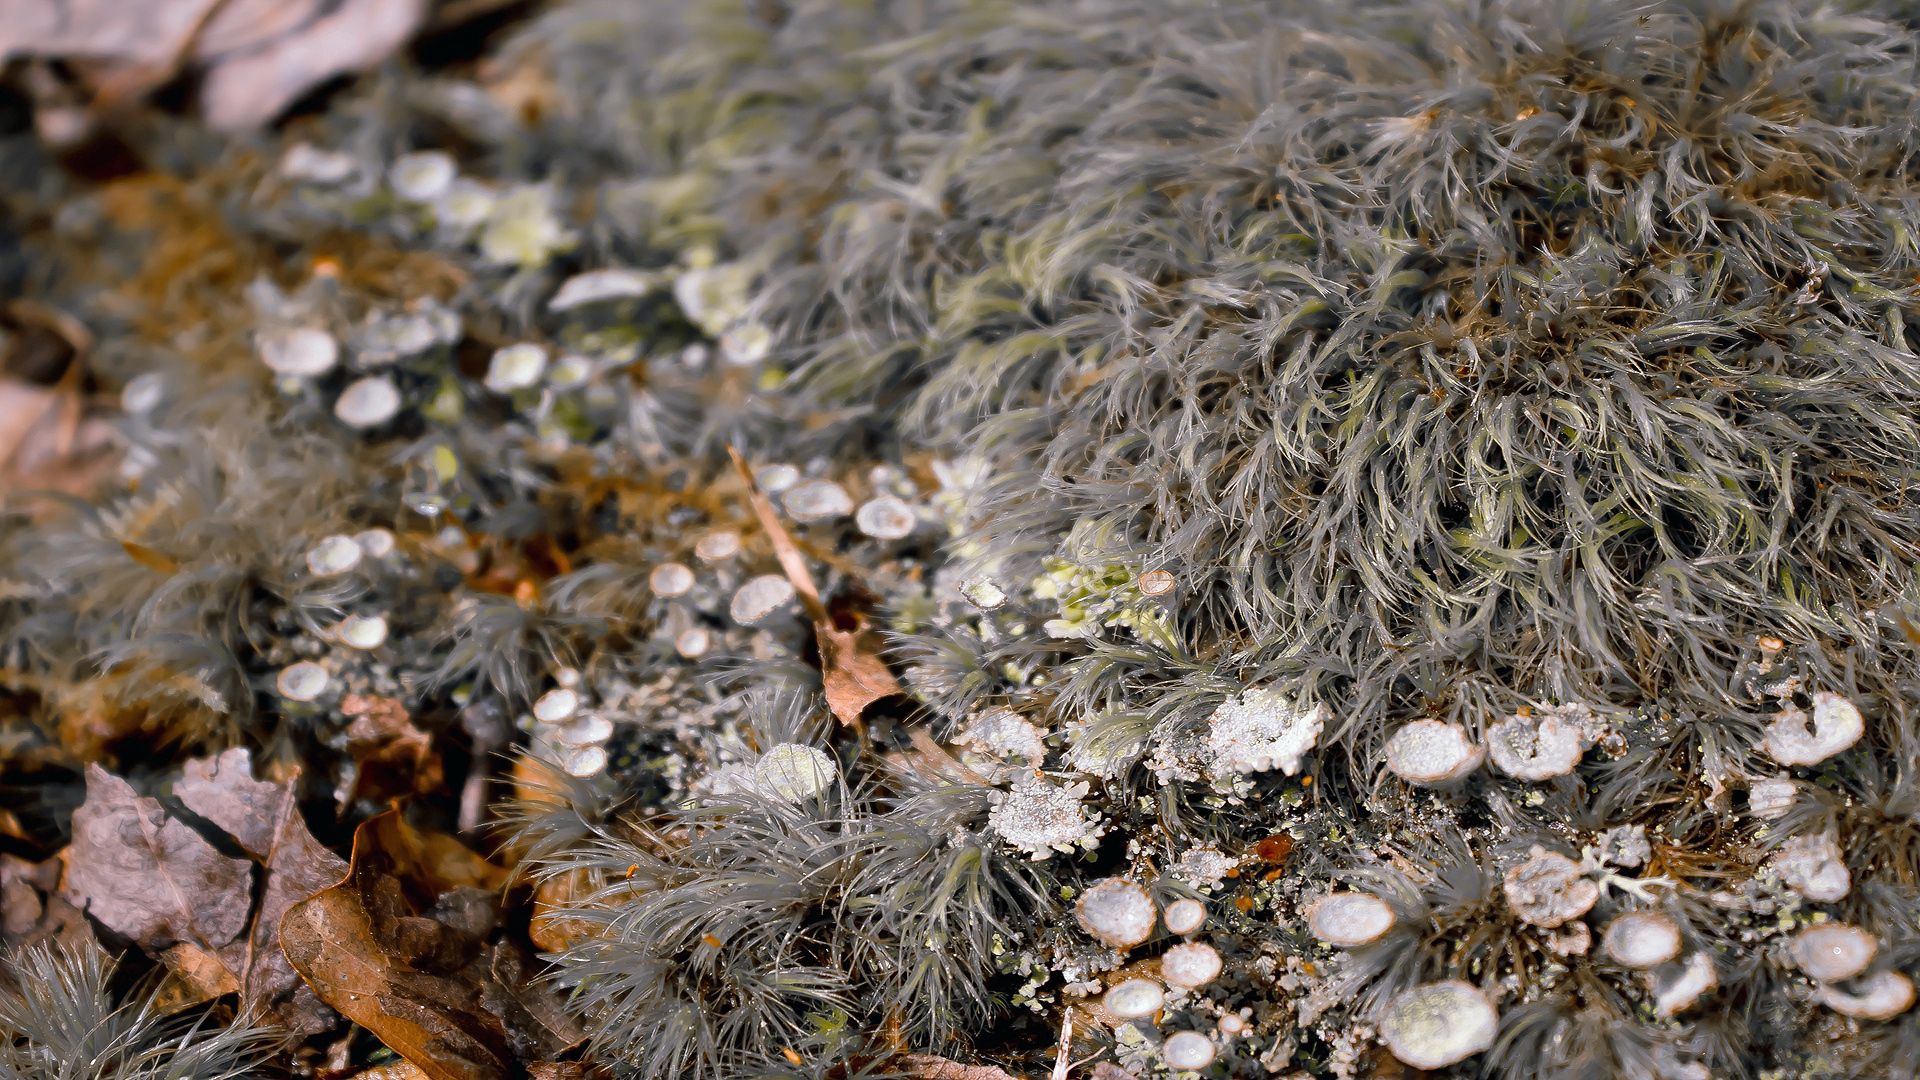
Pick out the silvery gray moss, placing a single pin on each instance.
(1247, 383)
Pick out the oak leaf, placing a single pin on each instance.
(155, 881)
(265, 820)
(373, 947)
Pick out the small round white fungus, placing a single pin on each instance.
(595, 286)
(585, 761)
(1538, 746)
(556, 705)
(717, 546)
(1190, 966)
(1155, 583)
(301, 352)
(817, 500)
(776, 478)
(333, 556)
(670, 579)
(1134, 999)
(746, 343)
(1549, 889)
(1770, 799)
(1432, 754)
(759, 598)
(1185, 916)
(421, 177)
(367, 403)
(586, 729)
(1350, 919)
(795, 772)
(1832, 952)
(1188, 1051)
(1117, 912)
(1678, 986)
(1641, 940)
(885, 518)
(363, 631)
(143, 393)
(304, 681)
(377, 543)
(1814, 867)
(516, 367)
(1882, 995)
(567, 676)
(1836, 725)
(983, 594)
(1439, 1024)
(693, 642)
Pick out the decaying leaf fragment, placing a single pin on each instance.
(851, 670)
(155, 880)
(265, 819)
(399, 947)
(259, 55)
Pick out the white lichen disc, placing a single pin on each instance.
(1814, 867)
(333, 556)
(795, 772)
(1134, 999)
(1549, 889)
(1678, 986)
(1537, 746)
(304, 681)
(759, 598)
(1439, 1024)
(1833, 952)
(1641, 940)
(1835, 725)
(1263, 728)
(1117, 912)
(1350, 919)
(1432, 753)
(1189, 966)
(1882, 995)
(1184, 916)
(670, 579)
(1188, 1051)
(367, 403)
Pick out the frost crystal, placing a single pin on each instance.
(1041, 818)
(1262, 729)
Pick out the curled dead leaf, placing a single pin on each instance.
(157, 882)
(398, 949)
(851, 671)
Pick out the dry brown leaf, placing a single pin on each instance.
(155, 881)
(392, 757)
(193, 907)
(933, 1067)
(259, 55)
(398, 1070)
(851, 671)
(537, 1019)
(373, 948)
(265, 819)
(551, 928)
